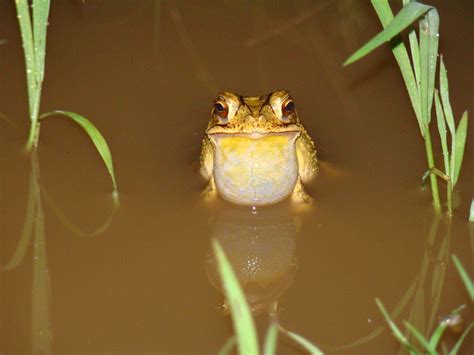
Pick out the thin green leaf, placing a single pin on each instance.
(464, 276)
(415, 55)
(429, 39)
(24, 20)
(458, 309)
(440, 119)
(444, 92)
(458, 154)
(96, 137)
(414, 49)
(458, 344)
(271, 339)
(241, 316)
(421, 339)
(437, 334)
(409, 13)
(228, 346)
(401, 55)
(396, 332)
(305, 343)
(40, 23)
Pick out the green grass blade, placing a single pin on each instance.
(458, 344)
(429, 39)
(458, 154)
(271, 339)
(437, 334)
(409, 13)
(228, 346)
(464, 276)
(401, 55)
(415, 55)
(305, 343)
(440, 119)
(241, 316)
(96, 137)
(416, 333)
(40, 23)
(414, 49)
(24, 21)
(396, 332)
(444, 92)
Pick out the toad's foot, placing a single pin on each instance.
(210, 192)
(299, 194)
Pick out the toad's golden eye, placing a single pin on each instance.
(221, 108)
(287, 107)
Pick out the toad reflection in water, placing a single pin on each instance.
(261, 249)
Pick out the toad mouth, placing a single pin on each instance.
(255, 134)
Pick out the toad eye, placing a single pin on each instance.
(287, 107)
(221, 109)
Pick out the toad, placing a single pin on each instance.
(255, 150)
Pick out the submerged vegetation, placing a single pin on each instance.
(419, 76)
(33, 29)
(453, 321)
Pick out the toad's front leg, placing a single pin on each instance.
(299, 194)
(207, 166)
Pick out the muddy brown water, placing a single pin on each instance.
(146, 73)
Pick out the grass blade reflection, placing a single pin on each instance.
(28, 224)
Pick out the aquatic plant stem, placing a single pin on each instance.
(431, 166)
(33, 136)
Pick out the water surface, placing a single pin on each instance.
(146, 74)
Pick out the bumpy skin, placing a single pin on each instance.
(257, 118)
